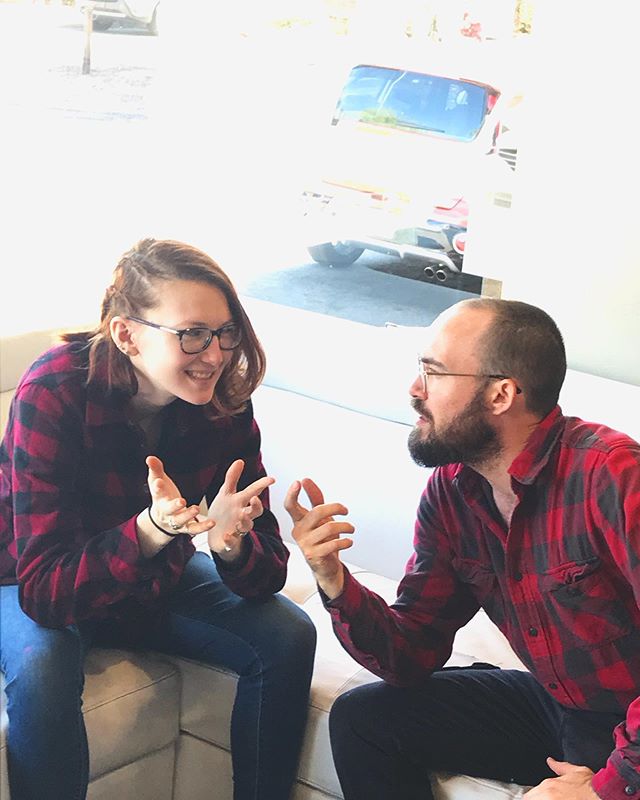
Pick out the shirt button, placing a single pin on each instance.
(629, 790)
(532, 631)
(552, 685)
(517, 576)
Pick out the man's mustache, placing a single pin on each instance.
(419, 408)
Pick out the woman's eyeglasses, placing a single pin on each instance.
(195, 340)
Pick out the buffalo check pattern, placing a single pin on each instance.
(562, 581)
(73, 479)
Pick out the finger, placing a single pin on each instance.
(244, 524)
(561, 767)
(255, 488)
(296, 511)
(156, 467)
(232, 477)
(255, 509)
(184, 517)
(328, 548)
(167, 507)
(328, 531)
(314, 492)
(312, 537)
(158, 488)
(319, 514)
(196, 527)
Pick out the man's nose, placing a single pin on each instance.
(418, 388)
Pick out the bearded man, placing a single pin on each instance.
(534, 517)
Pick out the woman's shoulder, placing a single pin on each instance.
(64, 363)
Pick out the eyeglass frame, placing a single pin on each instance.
(422, 372)
(180, 332)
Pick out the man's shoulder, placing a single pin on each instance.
(580, 434)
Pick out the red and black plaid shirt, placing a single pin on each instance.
(73, 479)
(562, 582)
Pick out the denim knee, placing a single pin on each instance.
(48, 670)
(293, 630)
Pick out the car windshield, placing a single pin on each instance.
(400, 99)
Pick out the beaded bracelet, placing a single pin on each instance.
(167, 533)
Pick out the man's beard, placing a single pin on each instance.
(467, 439)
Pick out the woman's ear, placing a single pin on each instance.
(122, 335)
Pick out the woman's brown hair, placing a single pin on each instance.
(137, 282)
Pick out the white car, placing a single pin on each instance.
(106, 12)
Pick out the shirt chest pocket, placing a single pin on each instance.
(584, 600)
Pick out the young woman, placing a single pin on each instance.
(113, 439)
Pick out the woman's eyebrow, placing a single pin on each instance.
(199, 324)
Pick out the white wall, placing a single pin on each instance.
(570, 242)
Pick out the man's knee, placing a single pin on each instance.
(357, 711)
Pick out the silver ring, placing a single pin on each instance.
(173, 524)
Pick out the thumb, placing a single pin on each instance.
(156, 480)
(561, 767)
(291, 504)
(156, 467)
(233, 476)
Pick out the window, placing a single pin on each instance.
(452, 108)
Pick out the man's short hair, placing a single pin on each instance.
(524, 343)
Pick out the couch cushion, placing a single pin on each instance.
(131, 708)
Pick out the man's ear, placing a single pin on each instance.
(122, 335)
(503, 395)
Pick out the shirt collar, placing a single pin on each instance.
(528, 464)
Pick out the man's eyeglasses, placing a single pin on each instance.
(195, 340)
(425, 374)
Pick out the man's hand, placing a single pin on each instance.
(572, 783)
(318, 535)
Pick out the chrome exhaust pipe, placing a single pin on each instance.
(429, 272)
(441, 275)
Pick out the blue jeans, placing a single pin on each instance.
(490, 723)
(270, 644)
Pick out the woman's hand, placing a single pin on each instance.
(168, 510)
(233, 512)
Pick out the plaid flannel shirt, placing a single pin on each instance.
(73, 479)
(562, 582)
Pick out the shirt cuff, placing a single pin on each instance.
(346, 598)
(238, 564)
(609, 784)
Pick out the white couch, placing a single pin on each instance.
(333, 407)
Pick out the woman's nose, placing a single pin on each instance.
(213, 354)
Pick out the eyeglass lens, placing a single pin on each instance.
(195, 340)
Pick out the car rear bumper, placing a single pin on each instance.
(383, 230)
